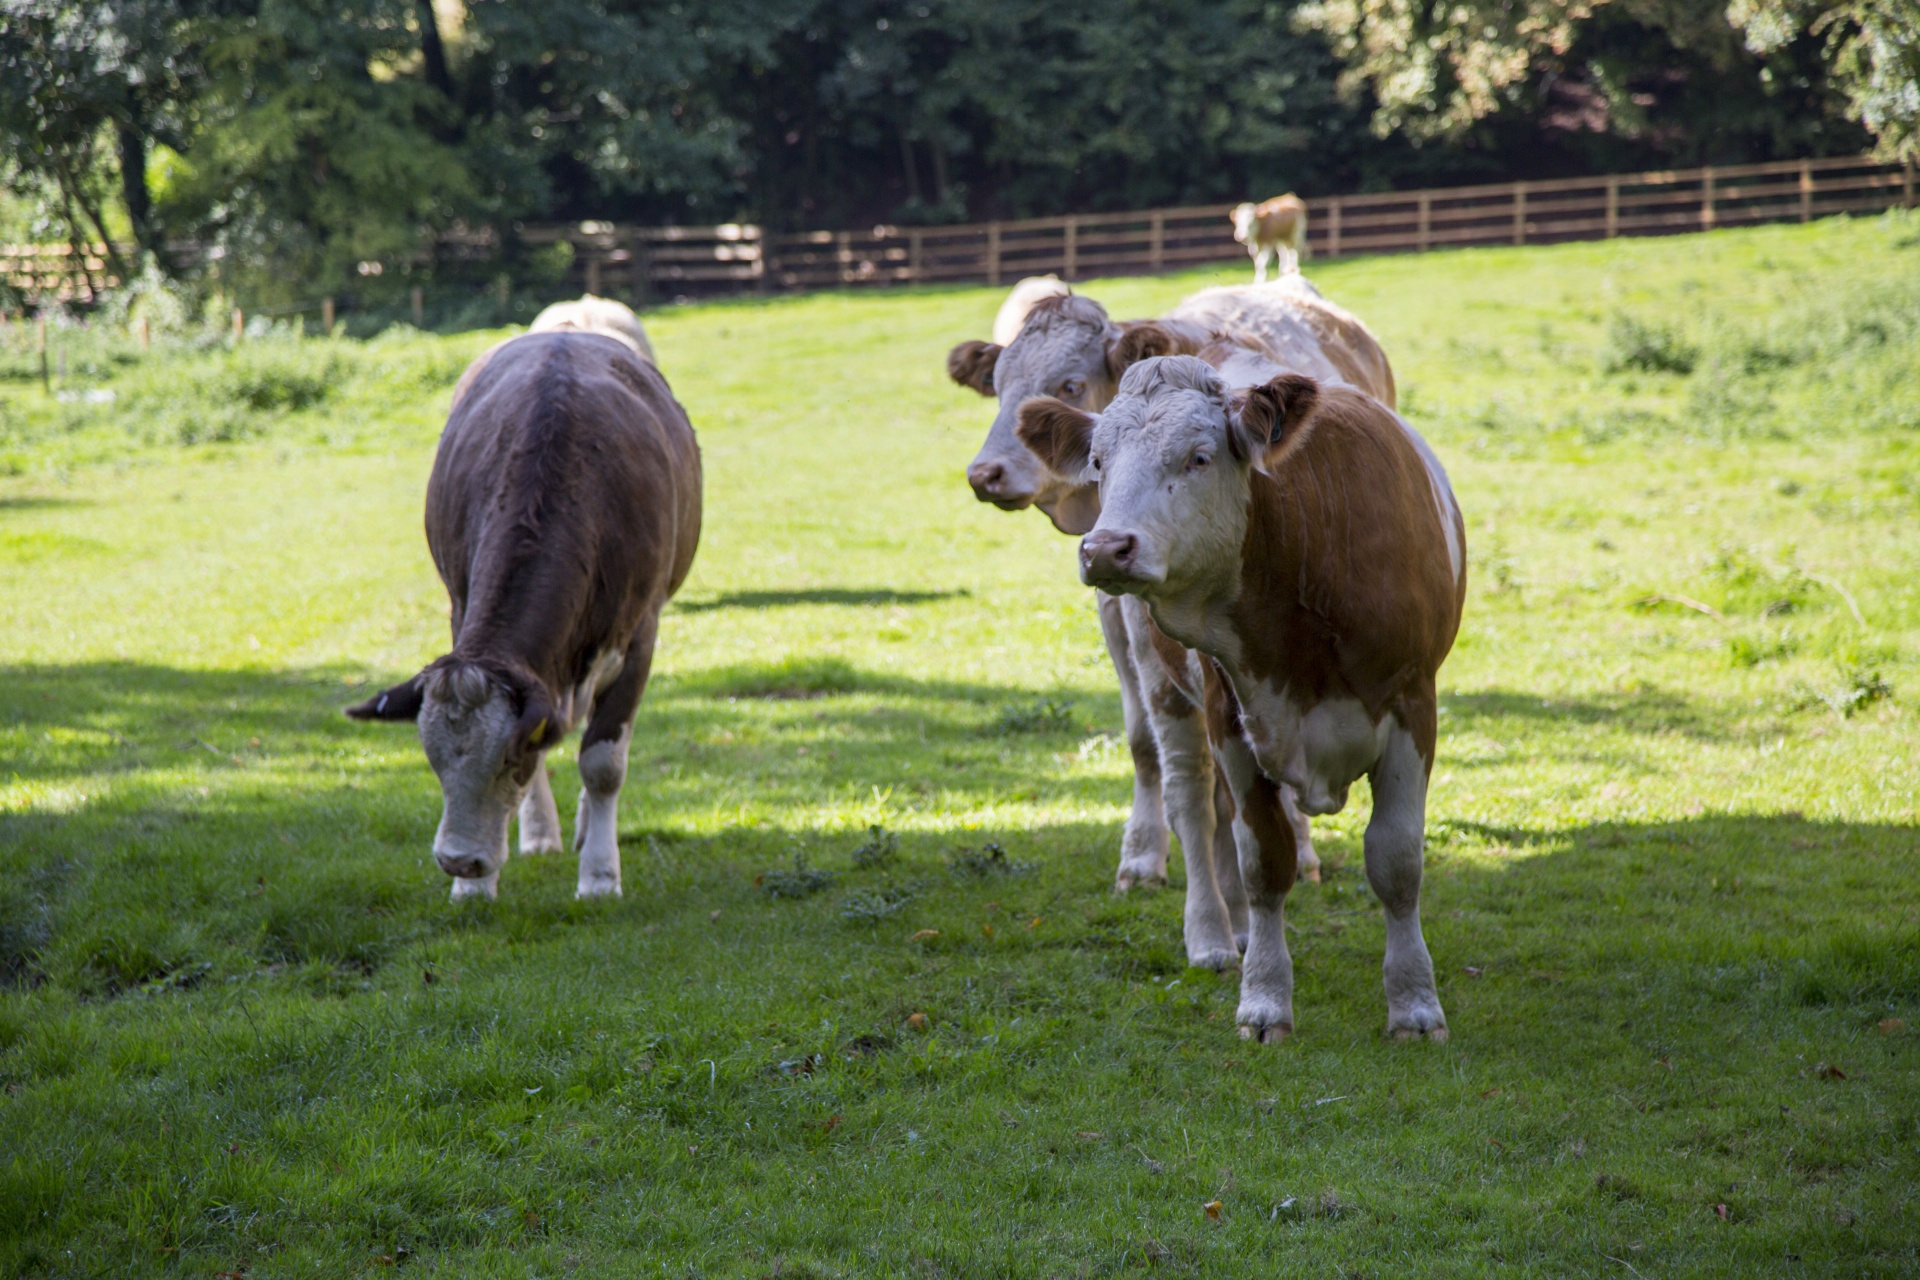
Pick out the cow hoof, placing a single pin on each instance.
(1310, 872)
(1128, 880)
(1214, 958)
(1273, 1033)
(1404, 1035)
(598, 889)
(1240, 942)
(485, 888)
(540, 846)
(1423, 1019)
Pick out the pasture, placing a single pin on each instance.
(1673, 890)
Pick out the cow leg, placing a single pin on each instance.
(539, 815)
(1267, 866)
(1187, 765)
(1226, 858)
(603, 767)
(1395, 835)
(1304, 856)
(1259, 265)
(1143, 845)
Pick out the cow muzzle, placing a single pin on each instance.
(465, 866)
(1110, 559)
(992, 484)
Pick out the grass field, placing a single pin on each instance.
(1674, 851)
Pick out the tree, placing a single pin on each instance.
(1436, 69)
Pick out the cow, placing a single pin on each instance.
(1278, 227)
(1071, 350)
(1305, 539)
(563, 512)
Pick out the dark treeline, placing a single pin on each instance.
(297, 139)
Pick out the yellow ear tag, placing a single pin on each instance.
(539, 732)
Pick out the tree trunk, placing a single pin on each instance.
(133, 183)
(432, 52)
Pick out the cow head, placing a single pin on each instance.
(484, 731)
(1172, 456)
(1066, 351)
(1244, 218)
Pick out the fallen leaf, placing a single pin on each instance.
(382, 1260)
(1472, 972)
(1496, 1142)
(1891, 1026)
(924, 934)
(253, 742)
(531, 1219)
(831, 1123)
(1213, 1210)
(1035, 924)
(1489, 1093)
(714, 916)
(918, 1021)
(1087, 1135)
(1720, 1212)
(1827, 1071)
(992, 906)
(986, 930)
(1663, 1062)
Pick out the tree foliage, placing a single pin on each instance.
(309, 144)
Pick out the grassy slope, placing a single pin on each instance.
(1672, 893)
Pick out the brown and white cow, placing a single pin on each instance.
(1306, 540)
(563, 511)
(1276, 227)
(1069, 349)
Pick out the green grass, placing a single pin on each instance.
(1674, 853)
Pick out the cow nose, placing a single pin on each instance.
(465, 865)
(989, 481)
(1108, 556)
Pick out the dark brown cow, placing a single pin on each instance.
(563, 512)
(1306, 540)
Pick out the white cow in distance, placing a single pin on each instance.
(1278, 227)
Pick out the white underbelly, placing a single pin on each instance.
(1319, 751)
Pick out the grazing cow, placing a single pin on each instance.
(563, 512)
(1013, 312)
(1306, 540)
(1071, 350)
(1278, 227)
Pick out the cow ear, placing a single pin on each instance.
(1058, 434)
(402, 702)
(1136, 344)
(971, 365)
(1272, 415)
(538, 728)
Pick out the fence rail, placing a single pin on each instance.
(639, 263)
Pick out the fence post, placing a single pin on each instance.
(239, 326)
(1613, 207)
(1333, 227)
(1156, 242)
(46, 380)
(843, 255)
(1706, 198)
(326, 314)
(146, 335)
(1906, 183)
(1519, 213)
(642, 269)
(1426, 221)
(1070, 250)
(757, 234)
(993, 253)
(419, 301)
(593, 276)
(914, 239)
(1806, 192)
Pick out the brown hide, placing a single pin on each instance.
(1350, 347)
(1345, 585)
(564, 506)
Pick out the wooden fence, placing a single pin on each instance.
(642, 263)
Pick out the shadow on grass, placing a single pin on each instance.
(817, 595)
(36, 502)
(1647, 712)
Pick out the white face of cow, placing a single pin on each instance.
(1062, 353)
(1243, 219)
(1173, 485)
(470, 730)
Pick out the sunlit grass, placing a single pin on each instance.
(1674, 844)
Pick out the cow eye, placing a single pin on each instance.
(1096, 464)
(1199, 460)
(1072, 387)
